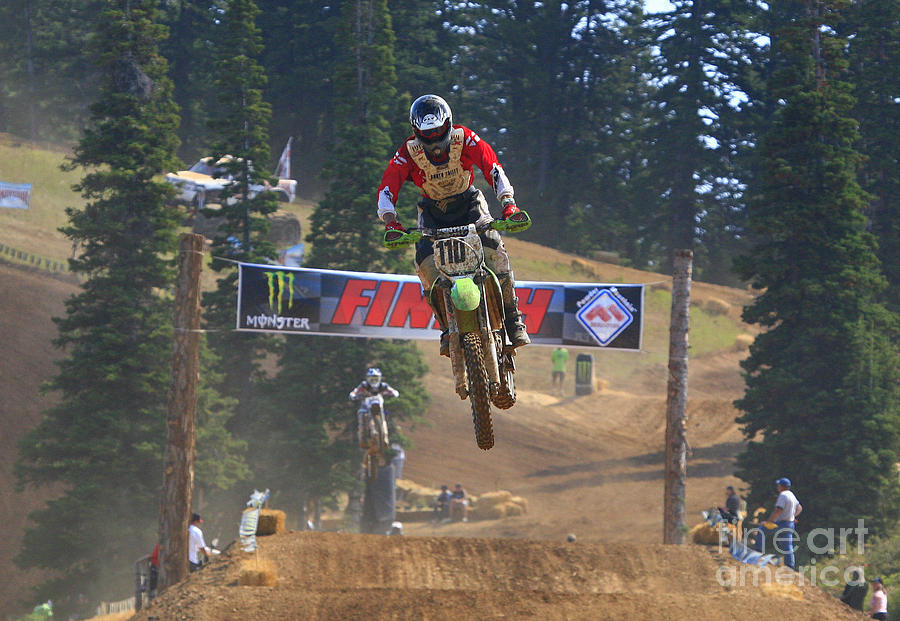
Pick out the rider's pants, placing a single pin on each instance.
(470, 207)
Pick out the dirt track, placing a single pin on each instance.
(339, 576)
(589, 465)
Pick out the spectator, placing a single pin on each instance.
(787, 508)
(442, 505)
(879, 602)
(459, 504)
(198, 552)
(154, 572)
(558, 359)
(854, 594)
(732, 510)
(396, 528)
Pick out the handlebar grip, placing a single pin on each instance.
(516, 223)
(394, 239)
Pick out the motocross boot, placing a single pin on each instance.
(515, 326)
(445, 332)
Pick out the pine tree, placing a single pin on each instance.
(190, 53)
(533, 80)
(697, 135)
(875, 65)
(821, 400)
(345, 235)
(299, 60)
(47, 79)
(241, 147)
(102, 443)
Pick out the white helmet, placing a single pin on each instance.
(431, 121)
(373, 377)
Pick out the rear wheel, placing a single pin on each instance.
(506, 394)
(479, 390)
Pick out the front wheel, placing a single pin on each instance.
(479, 390)
(381, 431)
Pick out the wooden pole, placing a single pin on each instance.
(178, 470)
(676, 403)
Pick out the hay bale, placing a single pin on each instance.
(491, 499)
(520, 502)
(415, 495)
(490, 512)
(271, 522)
(421, 497)
(704, 534)
(258, 572)
(715, 306)
(512, 509)
(742, 342)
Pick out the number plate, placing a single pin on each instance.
(458, 255)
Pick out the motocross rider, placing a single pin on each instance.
(439, 158)
(369, 387)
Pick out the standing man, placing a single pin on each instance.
(732, 504)
(440, 159)
(196, 545)
(558, 359)
(787, 508)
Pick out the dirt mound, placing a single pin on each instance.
(341, 576)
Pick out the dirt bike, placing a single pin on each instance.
(373, 434)
(469, 300)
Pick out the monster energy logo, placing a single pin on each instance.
(583, 371)
(276, 282)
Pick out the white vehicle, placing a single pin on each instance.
(203, 182)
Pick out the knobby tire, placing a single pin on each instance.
(479, 390)
(506, 395)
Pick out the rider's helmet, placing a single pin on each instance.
(373, 377)
(431, 122)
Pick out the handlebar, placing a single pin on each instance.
(394, 239)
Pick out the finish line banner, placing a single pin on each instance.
(272, 298)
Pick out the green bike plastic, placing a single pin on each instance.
(465, 294)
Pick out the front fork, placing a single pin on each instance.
(457, 360)
(479, 319)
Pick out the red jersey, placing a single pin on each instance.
(438, 181)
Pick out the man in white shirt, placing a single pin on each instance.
(787, 508)
(196, 545)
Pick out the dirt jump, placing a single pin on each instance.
(327, 576)
(589, 465)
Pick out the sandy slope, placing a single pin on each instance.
(336, 576)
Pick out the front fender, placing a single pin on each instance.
(465, 294)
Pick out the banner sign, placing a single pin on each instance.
(15, 195)
(273, 298)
